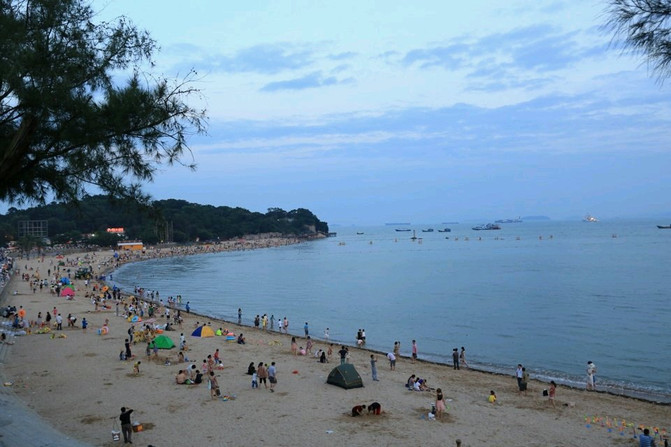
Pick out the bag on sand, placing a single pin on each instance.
(545, 393)
(116, 433)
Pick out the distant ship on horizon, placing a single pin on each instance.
(518, 220)
(589, 218)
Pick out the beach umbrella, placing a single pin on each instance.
(203, 331)
(68, 290)
(163, 342)
(65, 280)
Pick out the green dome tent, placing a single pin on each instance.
(163, 342)
(345, 376)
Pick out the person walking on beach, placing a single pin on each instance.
(462, 357)
(306, 329)
(279, 325)
(126, 427)
(326, 334)
(414, 351)
(455, 358)
(286, 325)
(373, 367)
(272, 376)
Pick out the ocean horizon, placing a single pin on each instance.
(550, 295)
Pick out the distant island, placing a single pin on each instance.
(397, 223)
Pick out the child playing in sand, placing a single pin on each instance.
(255, 381)
(136, 368)
(492, 397)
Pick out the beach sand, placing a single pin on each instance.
(79, 384)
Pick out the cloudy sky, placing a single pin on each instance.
(368, 112)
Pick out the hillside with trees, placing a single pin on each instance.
(164, 221)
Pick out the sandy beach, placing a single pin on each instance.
(76, 381)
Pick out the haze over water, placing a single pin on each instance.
(550, 295)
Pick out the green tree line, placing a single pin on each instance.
(165, 220)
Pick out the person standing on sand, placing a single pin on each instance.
(455, 358)
(591, 376)
(518, 376)
(294, 346)
(279, 325)
(373, 367)
(272, 322)
(397, 348)
(552, 392)
(213, 385)
(262, 373)
(306, 329)
(440, 403)
(286, 325)
(462, 357)
(645, 440)
(128, 353)
(272, 376)
(525, 381)
(126, 427)
(343, 354)
(414, 351)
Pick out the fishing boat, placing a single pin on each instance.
(489, 226)
(589, 218)
(664, 227)
(428, 230)
(445, 230)
(403, 229)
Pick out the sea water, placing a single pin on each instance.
(550, 295)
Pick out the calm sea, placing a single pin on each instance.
(550, 295)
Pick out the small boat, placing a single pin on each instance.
(489, 226)
(445, 230)
(589, 218)
(664, 227)
(403, 229)
(428, 230)
(359, 232)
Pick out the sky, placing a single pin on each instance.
(367, 112)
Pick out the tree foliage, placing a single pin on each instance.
(645, 27)
(66, 122)
(187, 221)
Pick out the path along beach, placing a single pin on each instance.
(76, 382)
